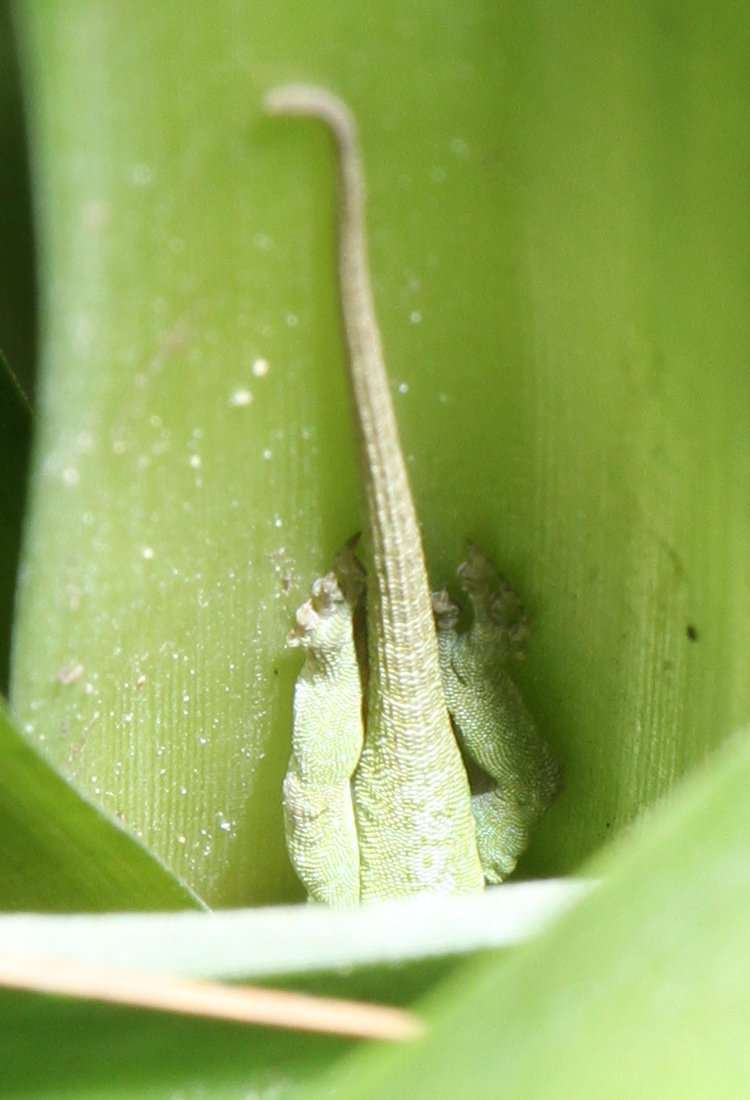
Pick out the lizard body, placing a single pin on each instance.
(411, 795)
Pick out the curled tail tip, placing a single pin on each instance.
(298, 98)
(282, 98)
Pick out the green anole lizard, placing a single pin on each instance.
(396, 819)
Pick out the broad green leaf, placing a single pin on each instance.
(60, 853)
(641, 991)
(282, 941)
(396, 951)
(559, 238)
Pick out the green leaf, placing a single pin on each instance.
(60, 853)
(283, 941)
(107, 1052)
(418, 941)
(559, 231)
(560, 236)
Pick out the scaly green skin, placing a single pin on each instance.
(321, 833)
(411, 795)
(491, 721)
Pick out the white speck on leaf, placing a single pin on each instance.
(68, 674)
(241, 398)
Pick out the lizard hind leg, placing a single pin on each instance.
(492, 723)
(327, 735)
